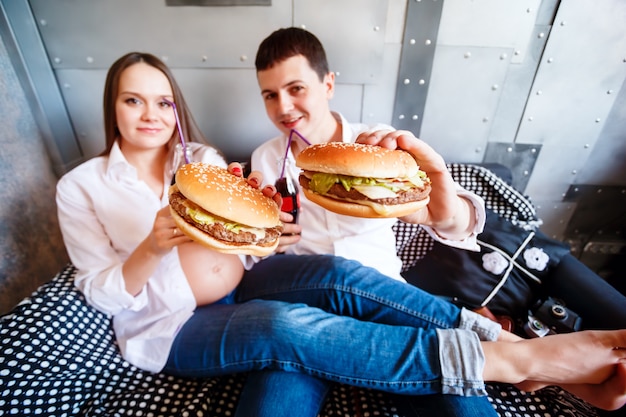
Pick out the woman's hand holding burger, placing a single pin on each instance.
(451, 216)
(291, 231)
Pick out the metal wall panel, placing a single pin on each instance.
(516, 87)
(607, 162)
(570, 101)
(20, 35)
(92, 34)
(555, 216)
(462, 100)
(416, 62)
(82, 94)
(489, 23)
(352, 32)
(211, 51)
(379, 98)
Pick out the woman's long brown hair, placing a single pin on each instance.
(188, 125)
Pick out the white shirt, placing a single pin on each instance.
(105, 211)
(369, 241)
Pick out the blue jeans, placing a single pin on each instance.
(357, 327)
(287, 394)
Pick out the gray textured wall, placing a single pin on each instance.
(30, 240)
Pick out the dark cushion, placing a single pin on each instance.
(505, 275)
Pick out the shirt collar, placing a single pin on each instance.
(117, 164)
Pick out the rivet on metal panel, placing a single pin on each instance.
(478, 150)
(303, 26)
(538, 206)
(576, 189)
(401, 117)
(609, 92)
(495, 87)
(598, 120)
(66, 86)
(574, 172)
(243, 58)
(530, 118)
(485, 119)
(517, 52)
(57, 60)
(204, 58)
(412, 42)
(164, 58)
(529, 10)
(43, 22)
(376, 28)
(415, 117)
(526, 172)
(539, 92)
(89, 60)
(422, 82)
(509, 149)
(550, 60)
(533, 150)
(586, 146)
(467, 54)
(337, 73)
(503, 56)
(541, 35)
(406, 81)
(563, 23)
(428, 42)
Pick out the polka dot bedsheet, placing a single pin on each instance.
(59, 357)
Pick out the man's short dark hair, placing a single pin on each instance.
(287, 42)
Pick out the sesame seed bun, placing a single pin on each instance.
(223, 212)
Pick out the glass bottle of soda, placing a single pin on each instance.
(288, 189)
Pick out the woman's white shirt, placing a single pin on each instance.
(105, 211)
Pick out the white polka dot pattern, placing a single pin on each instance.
(58, 356)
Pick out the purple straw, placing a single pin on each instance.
(180, 131)
(282, 171)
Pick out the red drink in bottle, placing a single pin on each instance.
(291, 197)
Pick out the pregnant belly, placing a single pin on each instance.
(211, 275)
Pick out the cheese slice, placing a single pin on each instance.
(375, 192)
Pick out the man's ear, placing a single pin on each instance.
(329, 82)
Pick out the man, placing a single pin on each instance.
(296, 86)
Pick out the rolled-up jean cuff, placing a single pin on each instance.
(485, 328)
(462, 362)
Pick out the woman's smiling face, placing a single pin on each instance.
(144, 118)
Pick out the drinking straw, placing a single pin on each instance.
(282, 171)
(180, 131)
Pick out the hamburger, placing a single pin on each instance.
(223, 212)
(362, 180)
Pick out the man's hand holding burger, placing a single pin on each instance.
(453, 217)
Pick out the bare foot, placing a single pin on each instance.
(587, 357)
(609, 395)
